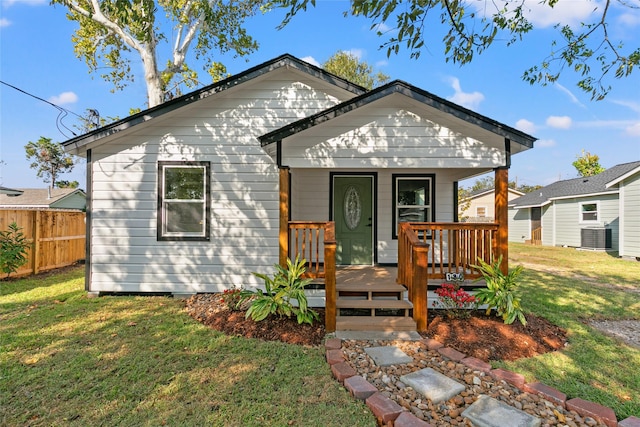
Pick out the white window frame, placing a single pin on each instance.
(162, 233)
(581, 213)
(429, 205)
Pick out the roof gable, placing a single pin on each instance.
(39, 197)
(583, 186)
(287, 61)
(464, 120)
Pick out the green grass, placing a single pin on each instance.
(72, 360)
(569, 288)
(66, 359)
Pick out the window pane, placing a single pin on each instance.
(185, 217)
(413, 192)
(412, 215)
(184, 183)
(590, 212)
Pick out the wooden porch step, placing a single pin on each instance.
(374, 303)
(366, 323)
(365, 287)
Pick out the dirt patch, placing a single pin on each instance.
(626, 330)
(486, 338)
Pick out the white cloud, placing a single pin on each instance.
(64, 98)
(571, 96)
(545, 143)
(382, 28)
(633, 130)
(559, 122)
(632, 105)
(380, 64)
(469, 100)
(311, 60)
(358, 53)
(541, 15)
(629, 19)
(4, 22)
(525, 126)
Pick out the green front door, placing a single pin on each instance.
(353, 216)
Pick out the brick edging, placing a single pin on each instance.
(386, 410)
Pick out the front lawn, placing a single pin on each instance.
(67, 359)
(571, 288)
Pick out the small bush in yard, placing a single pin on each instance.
(457, 302)
(13, 249)
(232, 298)
(286, 285)
(500, 291)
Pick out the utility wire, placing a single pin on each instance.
(62, 112)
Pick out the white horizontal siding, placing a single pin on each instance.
(387, 138)
(519, 225)
(222, 129)
(630, 196)
(568, 220)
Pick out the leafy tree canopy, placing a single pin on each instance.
(67, 184)
(48, 159)
(471, 28)
(348, 66)
(113, 34)
(488, 183)
(587, 164)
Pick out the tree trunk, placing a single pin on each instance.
(155, 94)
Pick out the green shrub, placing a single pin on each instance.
(13, 249)
(500, 291)
(286, 285)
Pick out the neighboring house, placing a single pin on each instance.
(44, 198)
(596, 212)
(197, 193)
(481, 205)
(10, 191)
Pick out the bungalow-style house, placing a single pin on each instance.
(479, 206)
(597, 212)
(43, 198)
(286, 159)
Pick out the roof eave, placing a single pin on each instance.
(78, 143)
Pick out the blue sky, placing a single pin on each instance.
(36, 55)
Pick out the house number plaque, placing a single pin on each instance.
(352, 207)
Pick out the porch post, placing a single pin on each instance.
(330, 277)
(502, 216)
(284, 217)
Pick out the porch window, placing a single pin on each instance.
(588, 212)
(183, 201)
(413, 199)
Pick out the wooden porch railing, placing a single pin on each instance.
(412, 271)
(316, 242)
(536, 236)
(435, 250)
(455, 247)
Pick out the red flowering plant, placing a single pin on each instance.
(457, 302)
(232, 298)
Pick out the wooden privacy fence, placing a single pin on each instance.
(57, 237)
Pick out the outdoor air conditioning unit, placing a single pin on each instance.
(595, 238)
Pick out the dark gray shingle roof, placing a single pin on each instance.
(575, 187)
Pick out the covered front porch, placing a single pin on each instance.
(393, 297)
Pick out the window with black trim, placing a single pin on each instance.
(412, 199)
(183, 200)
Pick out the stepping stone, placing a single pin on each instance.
(433, 385)
(388, 355)
(490, 412)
